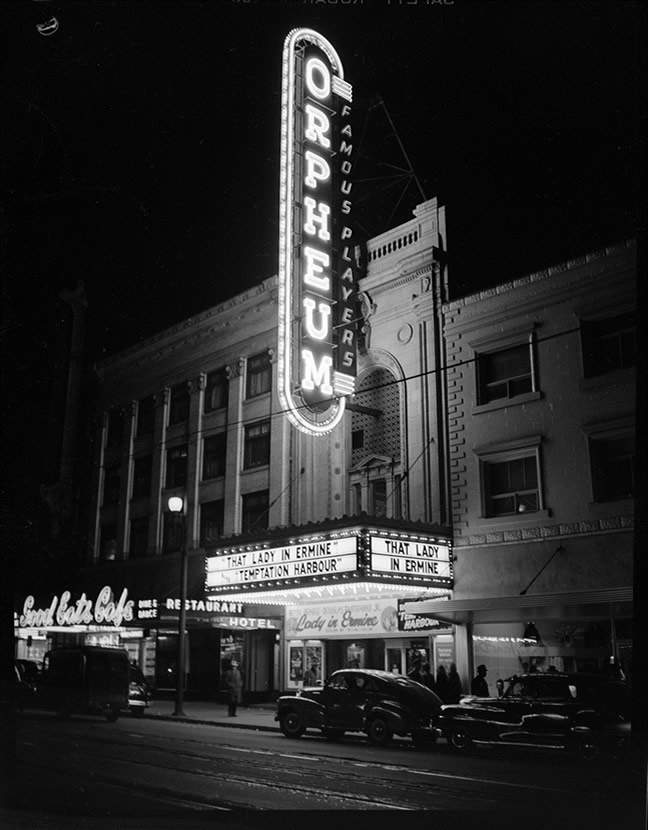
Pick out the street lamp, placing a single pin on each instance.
(176, 505)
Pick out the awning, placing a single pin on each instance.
(582, 605)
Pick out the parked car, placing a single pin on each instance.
(575, 712)
(85, 679)
(24, 688)
(378, 703)
(139, 691)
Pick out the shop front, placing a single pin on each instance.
(579, 631)
(147, 628)
(339, 587)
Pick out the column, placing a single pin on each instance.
(236, 377)
(125, 474)
(464, 654)
(98, 476)
(158, 467)
(194, 448)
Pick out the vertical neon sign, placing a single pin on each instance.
(317, 281)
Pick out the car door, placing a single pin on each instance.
(337, 700)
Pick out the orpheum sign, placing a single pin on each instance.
(317, 280)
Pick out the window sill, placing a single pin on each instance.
(249, 470)
(490, 524)
(502, 403)
(261, 396)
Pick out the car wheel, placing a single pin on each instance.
(333, 734)
(291, 725)
(379, 732)
(459, 740)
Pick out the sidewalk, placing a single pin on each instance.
(259, 717)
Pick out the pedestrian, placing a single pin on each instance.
(234, 685)
(441, 685)
(415, 672)
(426, 676)
(479, 686)
(310, 676)
(454, 685)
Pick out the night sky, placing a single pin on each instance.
(141, 142)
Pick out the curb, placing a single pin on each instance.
(207, 722)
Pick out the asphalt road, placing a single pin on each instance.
(141, 773)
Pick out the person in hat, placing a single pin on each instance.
(234, 685)
(479, 686)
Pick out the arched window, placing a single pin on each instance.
(375, 476)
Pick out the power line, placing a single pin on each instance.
(383, 385)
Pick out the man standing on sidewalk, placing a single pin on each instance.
(234, 685)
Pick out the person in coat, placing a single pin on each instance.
(454, 685)
(234, 686)
(441, 685)
(479, 686)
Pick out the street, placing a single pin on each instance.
(137, 770)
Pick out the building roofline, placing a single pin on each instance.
(538, 276)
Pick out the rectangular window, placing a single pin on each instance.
(256, 451)
(378, 497)
(211, 521)
(142, 468)
(357, 439)
(139, 537)
(612, 462)
(357, 499)
(216, 391)
(504, 374)
(255, 511)
(115, 428)
(609, 344)
(259, 375)
(111, 484)
(145, 416)
(511, 486)
(214, 450)
(173, 532)
(176, 474)
(109, 541)
(179, 407)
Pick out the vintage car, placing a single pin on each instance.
(378, 703)
(553, 711)
(139, 691)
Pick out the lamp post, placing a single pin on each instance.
(176, 505)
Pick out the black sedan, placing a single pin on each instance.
(551, 711)
(378, 703)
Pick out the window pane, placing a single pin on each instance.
(216, 391)
(255, 511)
(176, 467)
(505, 373)
(115, 428)
(211, 521)
(612, 462)
(511, 486)
(608, 344)
(111, 485)
(258, 375)
(145, 416)
(179, 408)
(257, 445)
(214, 456)
(142, 477)
(379, 497)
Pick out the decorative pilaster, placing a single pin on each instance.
(236, 376)
(158, 466)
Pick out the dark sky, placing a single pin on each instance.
(140, 143)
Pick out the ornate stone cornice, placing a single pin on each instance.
(614, 524)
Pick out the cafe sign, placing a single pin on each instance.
(107, 609)
(317, 278)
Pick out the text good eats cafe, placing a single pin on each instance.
(340, 589)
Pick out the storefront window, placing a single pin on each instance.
(306, 663)
(231, 649)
